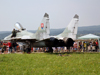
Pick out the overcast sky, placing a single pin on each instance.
(30, 13)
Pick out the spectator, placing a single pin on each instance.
(3, 48)
(24, 48)
(0, 47)
(96, 45)
(91, 45)
(75, 46)
(14, 45)
(10, 47)
(28, 49)
(80, 46)
(84, 46)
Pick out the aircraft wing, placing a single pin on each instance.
(22, 36)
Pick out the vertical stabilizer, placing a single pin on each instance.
(71, 29)
(44, 28)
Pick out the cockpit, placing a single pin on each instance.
(19, 27)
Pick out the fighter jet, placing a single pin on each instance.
(22, 34)
(65, 39)
(42, 39)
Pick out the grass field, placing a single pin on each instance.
(50, 64)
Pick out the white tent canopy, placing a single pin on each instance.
(89, 36)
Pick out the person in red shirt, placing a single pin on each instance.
(10, 47)
(96, 45)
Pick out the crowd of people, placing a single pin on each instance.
(8, 46)
(86, 46)
(78, 46)
(13, 47)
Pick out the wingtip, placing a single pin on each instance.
(76, 16)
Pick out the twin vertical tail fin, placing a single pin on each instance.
(44, 28)
(71, 30)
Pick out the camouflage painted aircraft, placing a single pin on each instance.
(42, 39)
